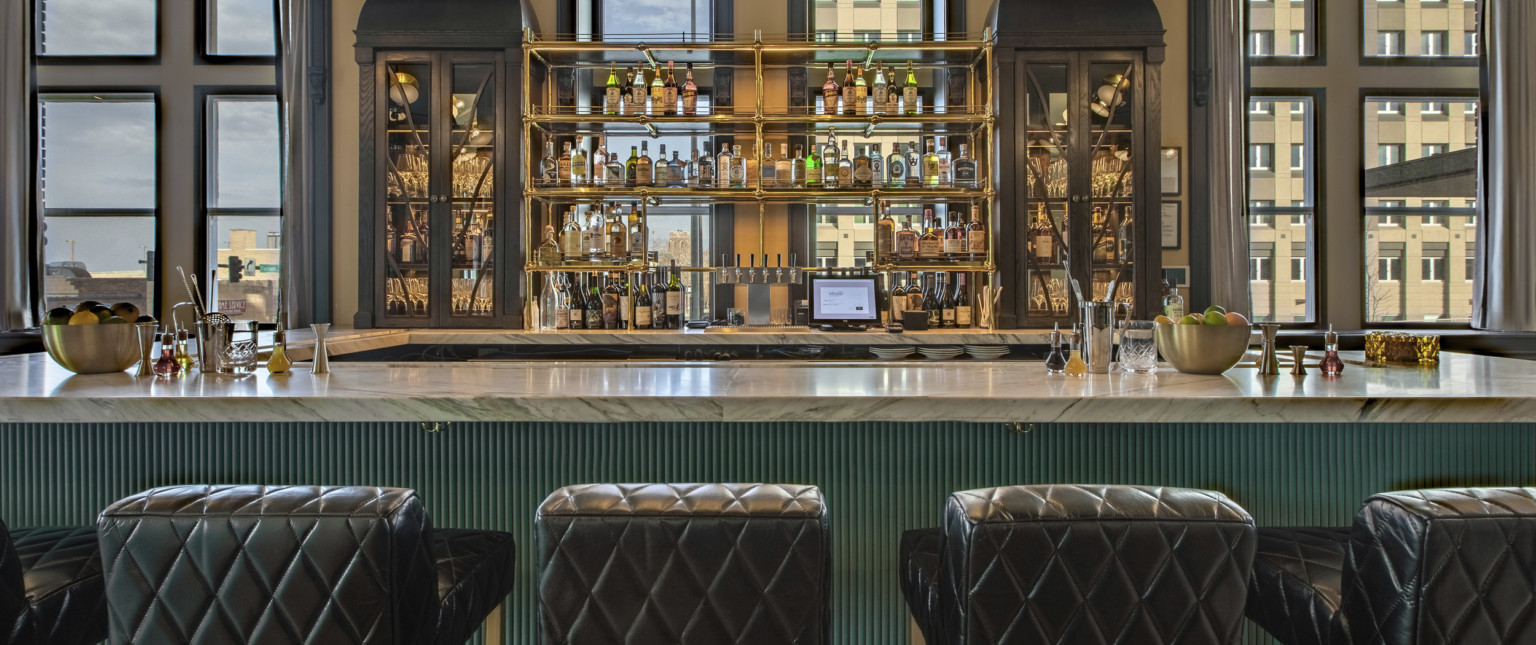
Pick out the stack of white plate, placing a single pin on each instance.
(940, 353)
(987, 352)
(894, 353)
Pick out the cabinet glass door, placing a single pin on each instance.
(471, 189)
(408, 194)
(1047, 114)
(1110, 157)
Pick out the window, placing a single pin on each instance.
(1280, 211)
(100, 160)
(1298, 44)
(1469, 43)
(1261, 269)
(1419, 29)
(1389, 269)
(1261, 43)
(1389, 153)
(1261, 107)
(672, 19)
(1298, 268)
(1435, 220)
(1285, 21)
(1432, 43)
(1298, 156)
(1298, 107)
(1389, 43)
(1433, 108)
(1390, 108)
(1261, 156)
(868, 20)
(1257, 215)
(1432, 269)
(826, 36)
(1432, 149)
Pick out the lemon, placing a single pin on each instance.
(84, 318)
(125, 310)
(1162, 320)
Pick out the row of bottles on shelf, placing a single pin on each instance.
(1111, 240)
(616, 301)
(944, 297)
(832, 167)
(659, 97)
(611, 236)
(858, 96)
(862, 92)
(959, 242)
(408, 244)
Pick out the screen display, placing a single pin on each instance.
(843, 299)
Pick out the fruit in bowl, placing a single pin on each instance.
(90, 339)
(1210, 342)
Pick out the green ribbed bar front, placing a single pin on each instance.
(878, 478)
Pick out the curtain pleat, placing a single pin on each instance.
(1229, 200)
(294, 96)
(1504, 290)
(16, 230)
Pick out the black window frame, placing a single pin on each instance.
(1314, 214)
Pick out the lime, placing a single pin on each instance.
(1189, 319)
(58, 316)
(1214, 319)
(1216, 308)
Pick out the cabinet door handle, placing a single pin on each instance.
(1077, 198)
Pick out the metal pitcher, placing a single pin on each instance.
(1098, 325)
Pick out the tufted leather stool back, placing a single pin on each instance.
(1076, 565)
(687, 564)
(14, 626)
(258, 564)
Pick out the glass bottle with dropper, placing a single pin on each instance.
(1075, 364)
(1332, 365)
(1056, 361)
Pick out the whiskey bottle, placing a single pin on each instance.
(1042, 241)
(976, 235)
(861, 93)
(645, 173)
(861, 170)
(658, 93)
(637, 231)
(829, 92)
(954, 240)
(909, 90)
(885, 235)
(548, 254)
(615, 171)
(931, 245)
(690, 94)
(579, 175)
(880, 91)
(618, 236)
(663, 174)
(797, 170)
(612, 93)
(850, 95)
(669, 91)
(637, 91)
(965, 168)
(572, 245)
(906, 241)
(1099, 235)
(784, 168)
(676, 176)
(563, 166)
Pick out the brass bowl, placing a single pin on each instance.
(1203, 349)
(92, 349)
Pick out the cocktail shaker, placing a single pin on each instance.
(1098, 324)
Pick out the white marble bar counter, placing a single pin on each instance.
(346, 341)
(1465, 388)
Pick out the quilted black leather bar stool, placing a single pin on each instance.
(1078, 565)
(50, 587)
(684, 564)
(1416, 568)
(255, 564)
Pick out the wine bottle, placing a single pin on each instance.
(632, 168)
(898, 299)
(594, 307)
(963, 316)
(932, 305)
(946, 305)
(626, 304)
(658, 303)
(612, 93)
(914, 292)
(576, 304)
(690, 94)
(643, 304)
(611, 303)
(909, 90)
(669, 91)
(675, 299)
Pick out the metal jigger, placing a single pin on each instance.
(1298, 357)
(146, 333)
(1269, 364)
(322, 364)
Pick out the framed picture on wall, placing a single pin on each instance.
(1172, 177)
(1177, 276)
(1170, 223)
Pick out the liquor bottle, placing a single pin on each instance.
(896, 168)
(976, 235)
(676, 177)
(914, 292)
(946, 305)
(658, 303)
(829, 92)
(706, 169)
(749, 166)
(885, 235)
(861, 93)
(965, 168)
(645, 169)
(797, 170)
(1056, 362)
(892, 95)
(931, 245)
(669, 91)
(850, 93)
(954, 240)
(549, 169)
(637, 91)
(813, 169)
(914, 166)
(829, 163)
(549, 304)
(643, 304)
(909, 91)
(576, 304)
(663, 172)
(571, 243)
(964, 319)
(933, 305)
(615, 171)
(599, 163)
(845, 166)
(636, 231)
(906, 241)
(861, 170)
(613, 93)
(931, 166)
(946, 167)
(548, 253)
(562, 303)
(783, 167)
(563, 166)
(882, 302)
(632, 168)
(690, 94)
(579, 175)
(618, 235)
(1041, 239)
(691, 169)
(898, 298)
(1173, 304)
(594, 306)
(723, 164)
(597, 232)
(1097, 234)
(880, 91)
(658, 93)
(876, 167)
(675, 299)
(610, 303)
(769, 170)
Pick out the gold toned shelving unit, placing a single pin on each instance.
(553, 76)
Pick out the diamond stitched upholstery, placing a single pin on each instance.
(688, 564)
(1070, 564)
(62, 576)
(15, 627)
(920, 552)
(258, 564)
(1297, 585)
(474, 574)
(1443, 566)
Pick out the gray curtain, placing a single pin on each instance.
(1229, 186)
(1505, 273)
(296, 95)
(15, 165)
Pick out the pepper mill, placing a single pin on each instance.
(322, 364)
(1269, 364)
(1298, 357)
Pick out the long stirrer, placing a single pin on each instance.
(197, 301)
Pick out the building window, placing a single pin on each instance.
(1389, 43)
(1261, 156)
(240, 28)
(1418, 29)
(1469, 43)
(1298, 107)
(1298, 269)
(1435, 220)
(1390, 108)
(1298, 44)
(1432, 149)
(1433, 43)
(1266, 108)
(1284, 21)
(1389, 269)
(1432, 269)
(669, 19)
(1298, 156)
(1261, 43)
(1389, 153)
(1433, 108)
(1261, 269)
(243, 194)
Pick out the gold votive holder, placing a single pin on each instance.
(1399, 347)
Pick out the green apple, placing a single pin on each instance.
(1216, 308)
(1213, 319)
(1189, 319)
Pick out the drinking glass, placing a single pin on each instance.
(1138, 350)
